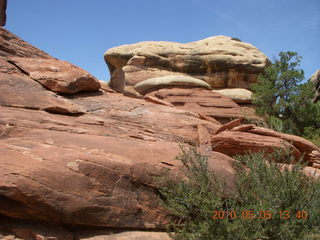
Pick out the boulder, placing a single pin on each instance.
(315, 79)
(306, 148)
(234, 143)
(205, 102)
(53, 74)
(221, 61)
(303, 145)
(239, 95)
(15, 89)
(152, 84)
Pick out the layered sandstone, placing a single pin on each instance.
(91, 158)
(220, 61)
(55, 75)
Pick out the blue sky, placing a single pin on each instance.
(80, 31)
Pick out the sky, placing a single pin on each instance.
(80, 31)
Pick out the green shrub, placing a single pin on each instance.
(280, 95)
(261, 187)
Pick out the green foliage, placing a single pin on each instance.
(261, 187)
(280, 96)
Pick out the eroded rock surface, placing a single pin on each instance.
(315, 79)
(220, 61)
(203, 101)
(55, 75)
(239, 95)
(92, 158)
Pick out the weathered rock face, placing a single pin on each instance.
(250, 138)
(315, 79)
(55, 75)
(202, 101)
(220, 61)
(92, 158)
(152, 84)
(239, 95)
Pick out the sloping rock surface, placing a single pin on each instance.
(220, 61)
(53, 74)
(92, 158)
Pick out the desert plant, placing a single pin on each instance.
(270, 201)
(281, 96)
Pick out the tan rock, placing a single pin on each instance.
(220, 61)
(315, 158)
(312, 172)
(152, 84)
(315, 79)
(129, 91)
(132, 235)
(243, 128)
(239, 95)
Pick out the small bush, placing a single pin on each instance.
(261, 187)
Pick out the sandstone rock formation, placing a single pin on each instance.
(55, 75)
(152, 84)
(205, 102)
(90, 158)
(239, 95)
(315, 79)
(220, 61)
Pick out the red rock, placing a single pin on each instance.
(303, 145)
(95, 163)
(232, 143)
(55, 75)
(243, 128)
(157, 101)
(202, 101)
(11, 45)
(229, 125)
(15, 92)
(95, 167)
(19, 229)
(58, 76)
